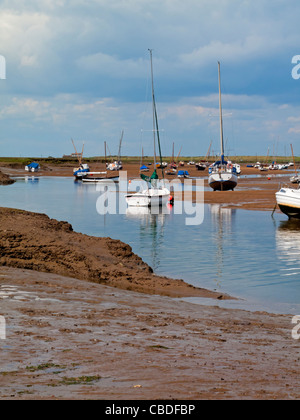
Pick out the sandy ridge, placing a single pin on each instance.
(34, 241)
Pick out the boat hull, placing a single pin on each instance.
(222, 181)
(149, 198)
(96, 180)
(288, 201)
(200, 167)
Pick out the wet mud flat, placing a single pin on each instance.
(72, 339)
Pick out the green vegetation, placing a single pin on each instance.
(72, 161)
(44, 366)
(80, 380)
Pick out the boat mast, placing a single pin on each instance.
(294, 160)
(120, 144)
(153, 106)
(155, 119)
(221, 119)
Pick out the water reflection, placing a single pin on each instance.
(151, 230)
(288, 247)
(221, 218)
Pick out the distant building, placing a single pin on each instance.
(72, 156)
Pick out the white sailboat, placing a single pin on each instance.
(222, 174)
(153, 195)
(288, 200)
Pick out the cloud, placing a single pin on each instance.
(84, 66)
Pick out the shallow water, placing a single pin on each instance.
(247, 254)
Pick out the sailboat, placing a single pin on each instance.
(295, 179)
(288, 200)
(143, 168)
(83, 168)
(153, 195)
(172, 166)
(222, 174)
(117, 164)
(94, 177)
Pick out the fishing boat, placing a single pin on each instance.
(288, 200)
(153, 195)
(222, 174)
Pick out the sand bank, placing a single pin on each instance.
(36, 242)
(5, 179)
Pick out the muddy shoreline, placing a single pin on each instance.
(36, 242)
(88, 319)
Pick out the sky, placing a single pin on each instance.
(80, 70)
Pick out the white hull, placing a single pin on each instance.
(148, 198)
(222, 181)
(96, 180)
(288, 201)
(295, 179)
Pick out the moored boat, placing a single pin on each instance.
(222, 174)
(183, 174)
(200, 166)
(94, 177)
(154, 195)
(81, 171)
(288, 200)
(295, 179)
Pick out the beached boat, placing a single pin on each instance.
(95, 177)
(200, 166)
(153, 195)
(222, 174)
(82, 171)
(32, 167)
(263, 168)
(117, 164)
(144, 168)
(183, 174)
(295, 179)
(288, 201)
(83, 168)
(237, 168)
(172, 169)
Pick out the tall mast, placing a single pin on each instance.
(155, 119)
(153, 106)
(294, 160)
(221, 119)
(120, 143)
